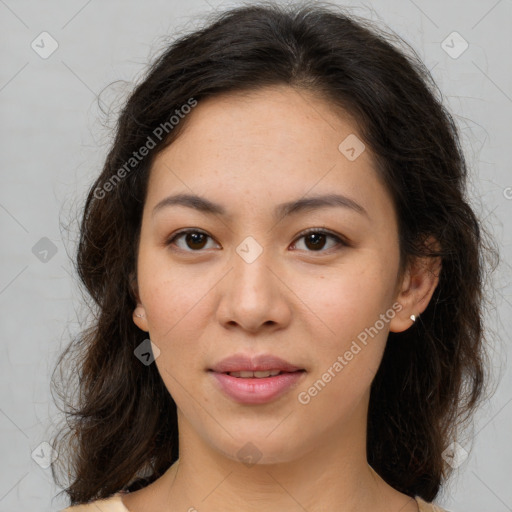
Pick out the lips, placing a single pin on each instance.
(260, 363)
(255, 380)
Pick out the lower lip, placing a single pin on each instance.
(257, 391)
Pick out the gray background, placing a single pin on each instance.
(54, 138)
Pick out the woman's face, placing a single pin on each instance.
(248, 281)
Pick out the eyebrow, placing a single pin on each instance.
(292, 207)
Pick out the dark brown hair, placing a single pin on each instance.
(121, 430)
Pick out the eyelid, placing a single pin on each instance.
(342, 240)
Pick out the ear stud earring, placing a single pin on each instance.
(413, 318)
(138, 314)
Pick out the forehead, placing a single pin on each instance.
(279, 117)
(270, 143)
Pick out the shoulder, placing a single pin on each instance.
(112, 504)
(424, 506)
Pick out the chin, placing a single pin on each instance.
(260, 446)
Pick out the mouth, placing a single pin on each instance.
(256, 387)
(249, 379)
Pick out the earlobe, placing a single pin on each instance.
(139, 313)
(139, 318)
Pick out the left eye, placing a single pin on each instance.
(315, 239)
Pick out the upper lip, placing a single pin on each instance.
(263, 362)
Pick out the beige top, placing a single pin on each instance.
(115, 504)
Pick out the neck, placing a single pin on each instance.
(334, 475)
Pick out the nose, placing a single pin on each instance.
(254, 296)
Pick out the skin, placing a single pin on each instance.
(201, 303)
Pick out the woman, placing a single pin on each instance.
(287, 279)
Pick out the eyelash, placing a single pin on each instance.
(340, 240)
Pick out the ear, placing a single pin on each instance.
(139, 313)
(417, 287)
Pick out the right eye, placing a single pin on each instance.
(194, 239)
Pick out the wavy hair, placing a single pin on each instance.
(121, 426)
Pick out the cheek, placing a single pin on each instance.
(174, 298)
(349, 350)
(177, 308)
(348, 300)
(351, 311)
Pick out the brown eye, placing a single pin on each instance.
(194, 240)
(315, 240)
